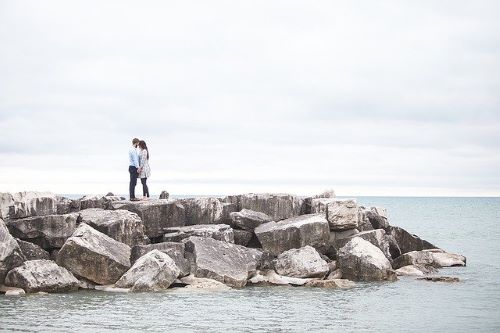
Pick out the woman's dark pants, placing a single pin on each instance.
(145, 190)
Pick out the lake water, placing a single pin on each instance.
(469, 226)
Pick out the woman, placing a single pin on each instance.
(144, 170)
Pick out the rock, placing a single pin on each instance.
(156, 215)
(164, 195)
(153, 271)
(445, 259)
(110, 194)
(41, 275)
(377, 237)
(25, 204)
(193, 282)
(364, 223)
(295, 232)
(247, 219)
(270, 277)
(377, 217)
(6, 200)
(440, 279)
(65, 206)
(420, 258)
(277, 206)
(414, 270)
(302, 263)
(336, 274)
(111, 288)
(221, 232)
(49, 231)
(11, 255)
(408, 242)
(242, 237)
(98, 201)
(173, 250)
(318, 205)
(121, 225)
(222, 261)
(342, 214)
(332, 265)
(93, 255)
(204, 211)
(11, 291)
(360, 260)
(332, 283)
(325, 194)
(32, 251)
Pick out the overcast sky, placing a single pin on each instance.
(366, 97)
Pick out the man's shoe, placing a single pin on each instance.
(134, 199)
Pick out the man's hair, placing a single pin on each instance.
(135, 141)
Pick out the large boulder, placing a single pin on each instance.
(121, 225)
(408, 242)
(429, 258)
(377, 237)
(173, 250)
(342, 214)
(41, 275)
(305, 262)
(364, 223)
(65, 205)
(222, 261)
(359, 260)
(247, 219)
(152, 272)
(277, 206)
(95, 256)
(49, 231)
(32, 251)
(445, 259)
(98, 201)
(205, 211)
(319, 205)
(222, 232)
(295, 232)
(156, 215)
(377, 217)
(11, 255)
(25, 204)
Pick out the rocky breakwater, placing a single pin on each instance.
(103, 242)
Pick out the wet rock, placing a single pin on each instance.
(440, 279)
(173, 250)
(121, 225)
(360, 260)
(222, 232)
(270, 277)
(342, 214)
(95, 256)
(408, 242)
(156, 215)
(205, 211)
(242, 237)
(295, 232)
(277, 206)
(11, 255)
(302, 263)
(377, 237)
(247, 219)
(25, 204)
(49, 231)
(164, 195)
(41, 275)
(222, 261)
(153, 271)
(332, 283)
(32, 251)
(205, 284)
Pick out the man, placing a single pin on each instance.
(133, 165)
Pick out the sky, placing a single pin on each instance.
(397, 98)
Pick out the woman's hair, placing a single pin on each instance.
(142, 145)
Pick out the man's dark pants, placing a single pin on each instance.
(133, 181)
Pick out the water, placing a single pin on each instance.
(470, 226)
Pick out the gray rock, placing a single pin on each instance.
(247, 219)
(408, 242)
(121, 225)
(156, 215)
(440, 279)
(277, 206)
(319, 205)
(430, 258)
(342, 214)
(32, 251)
(270, 277)
(364, 223)
(445, 259)
(222, 261)
(359, 260)
(295, 232)
(302, 263)
(414, 270)
(153, 271)
(49, 231)
(204, 284)
(242, 237)
(164, 195)
(11, 291)
(326, 194)
(25, 204)
(333, 275)
(65, 206)
(173, 250)
(95, 256)
(222, 232)
(205, 211)
(98, 201)
(377, 217)
(11, 255)
(41, 275)
(331, 283)
(377, 237)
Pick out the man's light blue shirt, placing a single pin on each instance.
(133, 157)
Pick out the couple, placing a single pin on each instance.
(138, 156)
